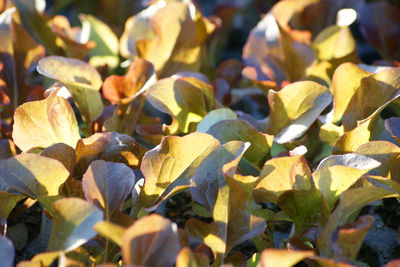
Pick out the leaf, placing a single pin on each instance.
(181, 100)
(284, 258)
(33, 175)
(335, 174)
(144, 243)
(215, 116)
(72, 229)
(334, 42)
(44, 123)
(304, 207)
(177, 46)
(259, 151)
(393, 127)
(138, 27)
(186, 258)
(123, 89)
(376, 91)
(8, 202)
(370, 129)
(82, 80)
(7, 252)
(106, 50)
(388, 154)
(111, 231)
(294, 109)
(228, 201)
(107, 185)
(110, 146)
(346, 81)
(298, 57)
(63, 153)
(347, 239)
(350, 201)
(282, 174)
(37, 24)
(169, 167)
(376, 24)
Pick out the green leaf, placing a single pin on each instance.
(258, 152)
(81, 79)
(182, 100)
(215, 116)
(110, 231)
(294, 109)
(72, 229)
(281, 174)
(228, 201)
(284, 258)
(169, 167)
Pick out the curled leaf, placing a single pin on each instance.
(82, 80)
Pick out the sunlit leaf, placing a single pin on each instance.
(186, 258)
(151, 241)
(63, 153)
(111, 231)
(177, 46)
(281, 174)
(385, 152)
(44, 123)
(181, 100)
(107, 185)
(284, 258)
(294, 109)
(215, 116)
(335, 174)
(33, 175)
(259, 151)
(81, 79)
(375, 91)
(345, 82)
(106, 50)
(350, 201)
(228, 202)
(169, 167)
(123, 89)
(72, 229)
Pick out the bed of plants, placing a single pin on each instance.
(131, 135)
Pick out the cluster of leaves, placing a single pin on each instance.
(102, 153)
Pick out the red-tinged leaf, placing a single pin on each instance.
(110, 146)
(151, 241)
(123, 89)
(107, 185)
(347, 239)
(63, 153)
(169, 167)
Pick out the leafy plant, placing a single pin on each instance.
(131, 142)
